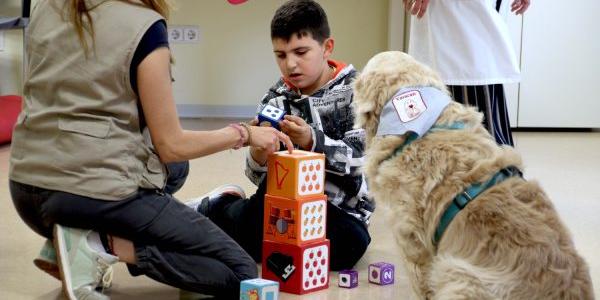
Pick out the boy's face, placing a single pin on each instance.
(303, 61)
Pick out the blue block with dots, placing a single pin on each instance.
(270, 116)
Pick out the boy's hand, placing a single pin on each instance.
(298, 130)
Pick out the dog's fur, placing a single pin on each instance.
(508, 243)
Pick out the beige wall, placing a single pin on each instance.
(11, 57)
(233, 64)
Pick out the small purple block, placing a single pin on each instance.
(381, 273)
(348, 279)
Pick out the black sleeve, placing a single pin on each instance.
(155, 37)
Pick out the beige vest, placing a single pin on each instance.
(79, 129)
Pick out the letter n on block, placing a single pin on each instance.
(298, 269)
(296, 176)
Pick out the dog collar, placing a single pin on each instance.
(412, 109)
(469, 194)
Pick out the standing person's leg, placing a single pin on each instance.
(500, 119)
(489, 100)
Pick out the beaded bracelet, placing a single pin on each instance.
(243, 137)
(247, 127)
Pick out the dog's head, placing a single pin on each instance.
(382, 77)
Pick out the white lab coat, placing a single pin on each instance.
(466, 41)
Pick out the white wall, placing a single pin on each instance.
(12, 55)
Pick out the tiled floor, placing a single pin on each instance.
(566, 164)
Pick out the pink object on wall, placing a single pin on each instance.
(10, 107)
(236, 2)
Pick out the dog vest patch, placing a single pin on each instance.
(409, 105)
(413, 109)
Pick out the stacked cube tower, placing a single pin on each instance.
(295, 250)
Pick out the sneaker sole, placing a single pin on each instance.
(48, 267)
(63, 267)
(230, 189)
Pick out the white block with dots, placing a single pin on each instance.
(311, 177)
(313, 217)
(315, 271)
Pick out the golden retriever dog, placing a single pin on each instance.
(508, 242)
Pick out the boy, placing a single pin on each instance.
(317, 95)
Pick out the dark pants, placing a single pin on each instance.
(242, 219)
(173, 243)
(491, 101)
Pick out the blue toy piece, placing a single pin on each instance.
(270, 116)
(259, 289)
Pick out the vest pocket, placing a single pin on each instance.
(84, 146)
(93, 128)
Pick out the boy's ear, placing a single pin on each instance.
(328, 45)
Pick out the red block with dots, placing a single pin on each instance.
(299, 175)
(298, 269)
(295, 221)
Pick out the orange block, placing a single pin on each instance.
(296, 176)
(295, 222)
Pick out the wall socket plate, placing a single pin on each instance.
(183, 34)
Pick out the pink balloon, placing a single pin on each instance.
(235, 2)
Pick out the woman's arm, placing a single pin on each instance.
(172, 142)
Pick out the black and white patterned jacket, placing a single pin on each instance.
(329, 113)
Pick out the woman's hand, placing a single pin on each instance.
(417, 7)
(519, 6)
(267, 139)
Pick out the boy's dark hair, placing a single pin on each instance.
(300, 17)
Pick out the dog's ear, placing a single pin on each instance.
(371, 91)
(362, 103)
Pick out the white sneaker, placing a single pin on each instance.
(83, 269)
(203, 203)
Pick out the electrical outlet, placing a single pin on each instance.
(176, 34)
(184, 34)
(191, 34)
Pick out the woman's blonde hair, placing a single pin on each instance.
(78, 10)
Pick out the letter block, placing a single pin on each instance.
(298, 269)
(381, 273)
(295, 221)
(348, 279)
(270, 116)
(296, 176)
(259, 289)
